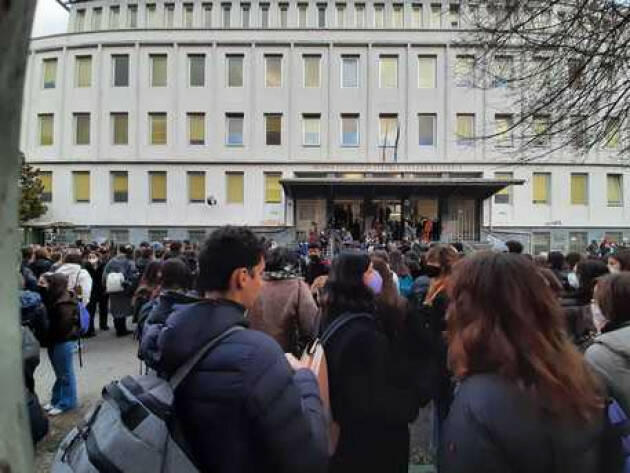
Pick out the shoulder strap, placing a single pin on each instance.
(340, 322)
(184, 370)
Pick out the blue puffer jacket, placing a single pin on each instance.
(242, 408)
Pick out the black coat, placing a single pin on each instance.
(372, 407)
(97, 281)
(495, 427)
(41, 266)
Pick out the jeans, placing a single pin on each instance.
(64, 391)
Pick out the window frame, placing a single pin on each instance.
(507, 191)
(189, 121)
(356, 59)
(352, 116)
(305, 58)
(40, 123)
(380, 71)
(267, 57)
(76, 118)
(241, 200)
(114, 116)
(113, 175)
(49, 60)
(152, 116)
(434, 127)
(115, 59)
(582, 175)
(77, 70)
(152, 77)
(75, 197)
(152, 199)
(228, 118)
(46, 196)
(618, 203)
(305, 118)
(266, 197)
(192, 56)
(269, 116)
(228, 58)
(547, 201)
(433, 59)
(189, 181)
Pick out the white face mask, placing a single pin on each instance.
(574, 281)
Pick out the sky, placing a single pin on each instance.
(50, 18)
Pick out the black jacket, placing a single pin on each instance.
(41, 266)
(495, 427)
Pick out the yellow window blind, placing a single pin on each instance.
(465, 127)
(158, 128)
(614, 189)
(503, 124)
(120, 186)
(273, 188)
(235, 187)
(579, 189)
(541, 188)
(196, 130)
(311, 71)
(426, 72)
(612, 134)
(389, 72)
(121, 134)
(503, 175)
(81, 183)
(196, 186)
(84, 71)
(50, 73)
(158, 186)
(45, 177)
(46, 129)
(158, 70)
(82, 123)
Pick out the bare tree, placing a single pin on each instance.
(565, 67)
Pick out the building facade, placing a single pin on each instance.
(156, 119)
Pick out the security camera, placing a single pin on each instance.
(211, 200)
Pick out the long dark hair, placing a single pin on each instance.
(57, 287)
(613, 296)
(587, 273)
(503, 318)
(152, 274)
(344, 290)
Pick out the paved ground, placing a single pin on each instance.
(107, 357)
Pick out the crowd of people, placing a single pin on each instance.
(521, 356)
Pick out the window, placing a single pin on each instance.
(349, 130)
(359, 12)
(97, 13)
(311, 71)
(427, 72)
(196, 187)
(121, 70)
(541, 243)
(120, 124)
(235, 187)
(388, 72)
(397, 16)
(158, 235)
(46, 129)
(503, 71)
(416, 15)
(157, 125)
(504, 196)
(341, 15)
(114, 17)
(196, 128)
(120, 236)
(157, 186)
(464, 71)
(503, 125)
(302, 15)
(321, 15)
(453, 16)
(49, 72)
(245, 15)
(151, 15)
(83, 74)
(207, 15)
(273, 71)
(79, 20)
(234, 127)
(541, 130)
(81, 186)
(226, 15)
(132, 16)
(82, 128)
(169, 15)
(45, 177)
(188, 15)
(541, 187)
(284, 12)
(235, 71)
(379, 15)
(388, 130)
(350, 71)
(579, 189)
(614, 237)
(465, 128)
(197, 236)
(273, 188)
(435, 18)
(158, 70)
(428, 133)
(197, 69)
(578, 241)
(120, 186)
(273, 126)
(264, 15)
(311, 129)
(614, 186)
(611, 140)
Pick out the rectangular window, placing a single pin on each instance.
(188, 15)
(120, 186)
(541, 187)
(264, 15)
(614, 186)
(273, 188)
(311, 71)
(416, 16)
(79, 20)
(83, 74)
(169, 15)
(541, 130)
(504, 196)
(465, 128)
(114, 17)
(614, 237)
(397, 16)
(234, 128)
(158, 70)
(349, 130)
(341, 15)
(196, 128)
(49, 72)
(207, 15)
(350, 72)
(388, 130)
(311, 129)
(428, 132)
(435, 18)
(273, 71)
(226, 15)
(453, 16)
(359, 13)
(196, 187)
(121, 236)
(235, 187)
(503, 130)
(97, 14)
(197, 64)
(235, 70)
(151, 11)
(427, 72)
(46, 129)
(388, 72)
(81, 186)
(82, 128)
(541, 243)
(464, 71)
(379, 16)
(120, 126)
(197, 236)
(245, 15)
(273, 127)
(157, 186)
(502, 72)
(132, 16)
(284, 15)
(611, 140)
(157, 125)
(321, 15)
(579, 189)
(121, 70)
(45, 177)
(578, 241)
(158, 235)
(302, 8)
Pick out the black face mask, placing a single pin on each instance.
(314, 258)
(432, 271)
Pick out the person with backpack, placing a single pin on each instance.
(79, 279)
(243, 407)
(148, 288)
(526, 400)
(64, 330)
(120, 278)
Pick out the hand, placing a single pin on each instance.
(295, 363)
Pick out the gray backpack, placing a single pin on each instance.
(133, 429)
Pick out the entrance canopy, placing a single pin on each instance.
(376, 188)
